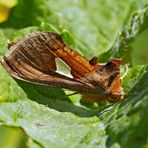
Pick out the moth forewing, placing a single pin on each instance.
(54, 79)
(43, 58)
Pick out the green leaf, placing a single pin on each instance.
(14, 137)
(9, 90)
(51, 128)
(93, 30)
(3, 44)
(33, 12)
(124, 43)
(68, 38)
(94, 24)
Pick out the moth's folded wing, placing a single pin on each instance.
(41, 49)
(33, 49)
(44, 58)
(24, 72)
(78, 64)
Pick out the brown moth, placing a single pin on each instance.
(37, 58)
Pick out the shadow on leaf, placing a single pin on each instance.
(54, 98)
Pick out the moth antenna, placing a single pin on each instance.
(126, 71)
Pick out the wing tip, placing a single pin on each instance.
(7, 67)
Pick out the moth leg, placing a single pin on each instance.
(75, 93)
(69, 92)
(126, 71)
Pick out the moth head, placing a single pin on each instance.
(114, 80)
(109, 78)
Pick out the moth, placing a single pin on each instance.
(43, 58)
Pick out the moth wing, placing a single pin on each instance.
(31, 75)
(41, 51)
(34, 51)
(38, 58)
(78, 64)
